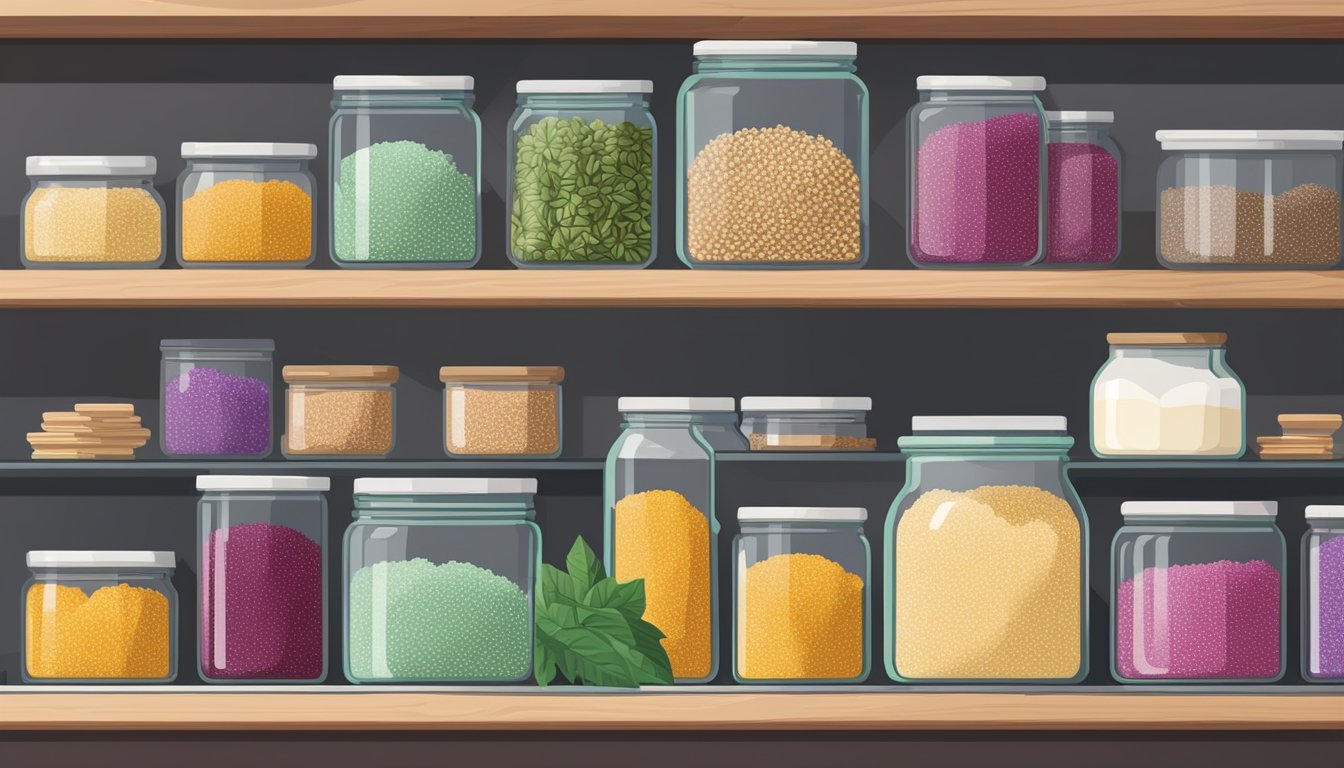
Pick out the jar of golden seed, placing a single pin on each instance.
(340, 410)
(503, 411)
(95, 211)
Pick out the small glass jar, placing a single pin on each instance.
(92, 211)
(216, 397)
(503, 411)
(977, 172)
(339, 410)
(439, 577)
(405, 171)
(1168, 395)
(600, 208)
(100, 617)
(772, 156)
(1249, 199)
(807, 423)
(1198, 593)
(1323, 594)
(263, 597)
(802, 597)
(1084, 180)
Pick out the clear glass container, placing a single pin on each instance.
(1084, 172)
(801, 579)
(245, 204)
(1323, 594)
(660, 526)
(599, 209)
(772, 156)
(807, 423)
(439, 578)
(986, 572)
(339, 410)
(976, 179)
(1249, 199)
(1198, 593)
(92, 211)
(503, 411)
(216, 397)
(405, 172)
(100, 617)
(263, 595)
(1168, 395)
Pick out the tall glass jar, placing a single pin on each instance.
(772, 156)
(216, 397)
(977, 172)
(607, 197)
(92, 211)
(986, 572)
(1323, 594)
(660, 526)
(1084, 180)
(405, 171)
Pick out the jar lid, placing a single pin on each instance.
(295, 374)
(585, 86)
(989, 424)
(676, 405)
(802, 514)
(403, 83)
(502, 373)
(775, 48)
(1325, 512)
(979, 83)
(1176, 509)
(89, 559)
(807, 404)
(1080, 117)
(244, 345)
(444, 486)
(248, 149)
(92, 165)
(261, 483)
(1230, 140)
(1166, 339)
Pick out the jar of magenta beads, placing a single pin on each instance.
(1083, 218)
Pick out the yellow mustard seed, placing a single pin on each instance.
(802, 619)
(118, 632)
(243, 220)
(92, 224)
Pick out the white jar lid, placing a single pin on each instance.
(802, 514)
(92, 165)
(90, 559)
(807, 404)
(1325, 512)
(989, 424)
(585, 86)
(980, 83)
(444, 486)
(261, 483)
(1067, 116)
(775, 48)
(676, 404)
(231, 149)
(403, 83)
(1231, 140)
(1174, 509)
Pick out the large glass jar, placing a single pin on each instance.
(977, 172)
(339, 410)
(1197, 593)
(216, 397)
(263, 597)
(986, 572)
(439, 576)
(405, 171)
(1168, 395)
(590, 146)
(660, 526)
(95, 211)
(1084, 180)
(1323, 594)
(772, 156)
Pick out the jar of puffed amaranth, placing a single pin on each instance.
(506, 411)
(340, 410)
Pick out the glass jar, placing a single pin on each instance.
(405, 172)
(1084, 181)
(1197, 593)
(716, 419)
(801, 578)
(501, 410)
(660, 526)
(339, 410)
(807, 423)
(1323, 594)
(216, 397)
(772, 156)
(1249, 199)
(977, 172)
(439, 577)
(100, 617)
(608, 217)
(263, 598)
(986, 576)
(1168, 395)
(245, 205)
(97, 211)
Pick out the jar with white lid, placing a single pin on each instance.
(1084, 172)
(1197, 593)
(339, 410)
(245, 204)
(1323, 594)
(1249, 199)
(976, 186)
(97, 211)
(807, 423)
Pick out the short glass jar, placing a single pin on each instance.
(100, 617)
(263, 595)
(216, 397)
(245, 204)
(503, 411)
(807, 423)
(1323, 594)
(339, 410)
(1198, 593)
(1084, 181)
(801, 579)
(92, 211)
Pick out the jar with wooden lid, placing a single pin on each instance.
(503, 411)
(340, 410)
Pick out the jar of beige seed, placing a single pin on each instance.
(502, 411)
(92, 211)
(340, 410)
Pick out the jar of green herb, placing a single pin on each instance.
(582, 174)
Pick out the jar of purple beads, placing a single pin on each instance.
(216, 397)
(1083, 226)
(1323, 594)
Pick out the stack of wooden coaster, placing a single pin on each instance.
(91, 431)
(1305, 436)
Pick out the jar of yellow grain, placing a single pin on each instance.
(801, 595)
(103, 617)
(986, 571)
(502, 411)
(95, 211)
(340, 410)
(245, 204)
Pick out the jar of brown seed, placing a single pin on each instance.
(505, 411)
(340, 410)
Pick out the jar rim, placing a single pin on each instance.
(676, 405)
(980, 83)
(219, 345)
(247, 150)
(225, 483)
(403, 83)
(583, 87)
(75, 559)
(1179, 339)
(91, 165)
(818, 48)
(1264, 140)
(802, 514)
(1199, 510)
(757, 403)
(1066, 117)
(444, 486)
(501, 373)
(309, 374)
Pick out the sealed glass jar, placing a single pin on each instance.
(977, 172)
(1249, 199)
(986, 572)
(263, 596)
(772, 156)
(1168, 395)
(96, 211)
(439, 577)
(1083, 211)
(599, 209)
(801, 594)
(339, 410)
(216, 397)
(100, 617)
(660, 526)
(245, 204)
(1197, 592)
(405, 171)
(807, 423)
(1323, 594)
(502, 410)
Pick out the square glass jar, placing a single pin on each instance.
(92, 211)
(502, 411)
(339, 410)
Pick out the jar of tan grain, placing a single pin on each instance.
(340, 410)
(506, 411)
